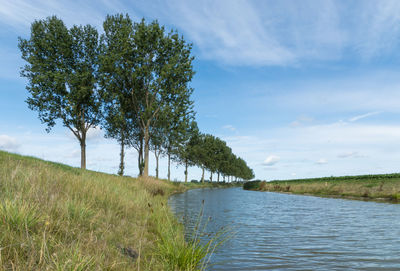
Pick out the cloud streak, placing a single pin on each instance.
(245, 33)
(356, 118)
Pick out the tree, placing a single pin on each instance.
(187, 149)
(163, 71)
(117, 66)
(152, 68)
(157, 138)
(61, 71)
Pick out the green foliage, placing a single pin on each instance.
(212, 153)
(145, 74)
(252, 185)
(61, 68)
(134, 79)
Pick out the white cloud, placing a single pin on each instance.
(350, 154)
(73, 154)
(255, 33)
(356, 118)
(94, 133)
(271, 160)
(301, 120)
(322, 161)
(20, 14)
(232, 32)
(8, 143)
(229, 127)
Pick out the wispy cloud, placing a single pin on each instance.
(301, 120)
(19, 14)
(350, 154)
(230, 31)
(321, 161)
(356, 118)
(271, 160)
(229, 127)
(250, 33)
(94, 133)
(8, 143)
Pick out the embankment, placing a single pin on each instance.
(383, 187)
(62, 218)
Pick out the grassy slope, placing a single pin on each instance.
(374, 187)
(55, 217)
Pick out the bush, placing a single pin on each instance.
(252, 185)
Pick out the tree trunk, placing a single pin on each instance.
(140, 157)
(218, 177)
(202, 175)
(186, 171)
(146, 151)
(122, 154)
(169, 166)
(83, 151)
(83, 139)
(211, 176)
(224, 178)
(156, 155)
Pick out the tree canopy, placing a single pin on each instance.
(61, 71)
(134, 81)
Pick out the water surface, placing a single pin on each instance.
(291, 232)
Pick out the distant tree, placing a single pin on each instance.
(61, 71)
(157, 139)
(200, 153)
(187, 149)
(178, 128)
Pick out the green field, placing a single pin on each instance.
(56, 217)
(385, 187)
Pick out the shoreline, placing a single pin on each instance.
(56, 216)
(383, 188)
(332, 196)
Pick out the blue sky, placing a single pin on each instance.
(296, 88)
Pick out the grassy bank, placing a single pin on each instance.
(55, 217)
(384, 187)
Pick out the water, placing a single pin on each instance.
(290, 232)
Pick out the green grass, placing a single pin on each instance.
(369, 187)
(55, 217)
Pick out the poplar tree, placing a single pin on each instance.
(163, 72)
(117, 67)
(61, 67)
(152, 70)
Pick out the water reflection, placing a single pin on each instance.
(289, 232)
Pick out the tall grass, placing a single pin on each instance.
(55, 217)
(193, 252)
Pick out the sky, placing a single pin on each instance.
(298, 89)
